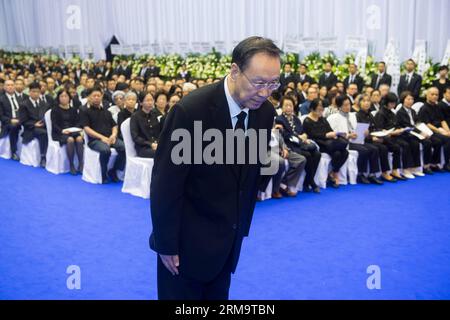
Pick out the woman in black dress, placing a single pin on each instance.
(63, 117)
(318, 129)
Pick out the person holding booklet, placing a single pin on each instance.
(431, 115)
(345, 121)
(66, 129)
(331, 142)
(393, 138)
(408, 118)
(364, 115)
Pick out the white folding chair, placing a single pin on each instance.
(30, 154)
(92, 171)
(5, 148)
(57, 160)
(138, 171)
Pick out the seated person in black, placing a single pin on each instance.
(407, 117)
(9, 117)
(145, 129)
(431, 115)
(318, 129)
(128, 110)
(364, 115)
(63, 117)
(31, 114)
(385, 119)
(99, 125)
(297, 141)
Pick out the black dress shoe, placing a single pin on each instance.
(43, 163)
(375, 180)
(113, 175)
(427, 171)
(437, 169)
(15, 157)
(307, 189)
(316, 189)
(399, 177)
(362, 179)
(105, 181)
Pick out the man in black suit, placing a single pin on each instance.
(303, 75)
(381, 77)
(410, 81)
(150, 70)
(100, 68)
(353, 77)
(444, 105)
(19, 86)
(44, 96)
(184, 73)
(327, 78)
(202, 212)
(124, 69)
(9, 117)
(32, 112)
(287, 76)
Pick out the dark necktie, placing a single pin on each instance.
(15, 106)
(240, 124)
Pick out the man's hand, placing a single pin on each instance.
(171, 263)
(352, 135)
(154, 145)
(14, 121)
(284, 153)
(39, 124)
(105, 140)
(112, 139)
(65, 131)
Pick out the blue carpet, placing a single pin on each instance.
(310, 247)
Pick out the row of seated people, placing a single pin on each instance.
(414, 152)
(100, 123)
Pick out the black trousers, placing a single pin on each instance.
(105, 153)
(445, 143)
(13, 131)
(145, 152)
(383, 155)
(179, 287)
(312, 163)
(402, 152)
(337, 151)
(367, 155)
(41, 135)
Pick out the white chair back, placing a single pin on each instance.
(417, 106)
(130, 150)
(48, 124)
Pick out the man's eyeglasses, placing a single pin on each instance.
(272, 85)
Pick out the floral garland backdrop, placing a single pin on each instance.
(215, 65)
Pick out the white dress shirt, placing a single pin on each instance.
(234, 108)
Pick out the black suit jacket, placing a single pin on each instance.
(121, 71)
(306, 77)
(359, 81)
(328, 82)
(6, 114)
(202, 212)
(284, 80)
(403, 120)
(414, 85)
(385, 79)
(29, 115)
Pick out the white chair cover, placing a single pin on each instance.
(138, 170)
